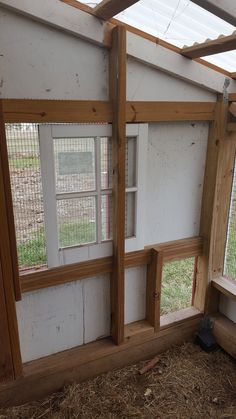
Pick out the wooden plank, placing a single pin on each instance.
(9, 204)
(169, 111)
(216, 136)
(225, 333)
(109, 8)
(38, 111)
(21, 110)
(45, 278)
(232, 97)
(232, 108)
(233, 76)
(118, 98)
(216, 46)
(153, 294)
(47, 375)
(231, 127)
(226, 286)
(6, 365)
(7, 271)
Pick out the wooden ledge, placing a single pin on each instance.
(226, 286)
(50, 374)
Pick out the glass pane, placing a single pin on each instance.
(106, 212)
(74, 164)
(230, 254)
(130, 164)
(130, 214)
(76, 221)
(177, 283)
(26, 186)
(106, 163)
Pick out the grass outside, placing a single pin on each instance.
(230, 260)
(25, 162)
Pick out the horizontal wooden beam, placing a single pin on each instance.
(50, 374)
(225, 286)
(45, 278)
(233, 75)
(169, 111)
(109, 8)
(232, 97)
(231, 126)
(216, 46)
(41, 111)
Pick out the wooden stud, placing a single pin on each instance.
(109, 8)
(7, 276)
(153, 294)
(9, 204)
(216, 137)
(118, 98)
(216, 46)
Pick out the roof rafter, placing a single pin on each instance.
(224, 9)
(221, 44)
(109, 8)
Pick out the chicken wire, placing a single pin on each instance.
(230, 251)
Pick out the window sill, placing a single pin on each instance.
(226, 286)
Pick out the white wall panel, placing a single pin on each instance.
(135, 294)
(40, 62)
(228, 308)
(50, 320)
(176, 164)
(97, 317)
(146, 83)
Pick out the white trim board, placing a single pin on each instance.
(81, 24)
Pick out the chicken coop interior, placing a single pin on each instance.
(117, 187)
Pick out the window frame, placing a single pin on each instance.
(57, 256)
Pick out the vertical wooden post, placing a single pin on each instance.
(217, 134)
(154, 277)
(8, 197)
(8, 309)
(118, 99)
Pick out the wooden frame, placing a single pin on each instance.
(216, 46)
(10, 357)
(118, 98)
(109, 8)
(40, 111)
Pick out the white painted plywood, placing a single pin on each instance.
(176, 164)
(41, 62)
(50, 320)
(97, 317)
(135, 294)
(228, 307)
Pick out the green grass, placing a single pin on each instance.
(24, 162)
(230, 265)
(177, 280)
(72, 234)
(33, 252)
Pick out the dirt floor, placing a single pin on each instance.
(185, 383)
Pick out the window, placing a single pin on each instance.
(61, 177)
(230, 253)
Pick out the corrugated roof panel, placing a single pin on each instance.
(179, 22)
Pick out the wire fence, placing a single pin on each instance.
(230, 251)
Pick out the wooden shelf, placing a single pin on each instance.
(226, 286)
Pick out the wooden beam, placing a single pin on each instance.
(109, 8)
(7, 274)
(232, 108)
(216, 46)
(232, 97)
(118, 99)
(225, 333)
(45, 278)
(231, 126)
(50, 374)
(233, 75)
(21, 110)
(153, 292)
(225, 286)
(9, 204)
(40, 111)
(169, 111)
(216, 137)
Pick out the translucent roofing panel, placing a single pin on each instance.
(179, 22)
